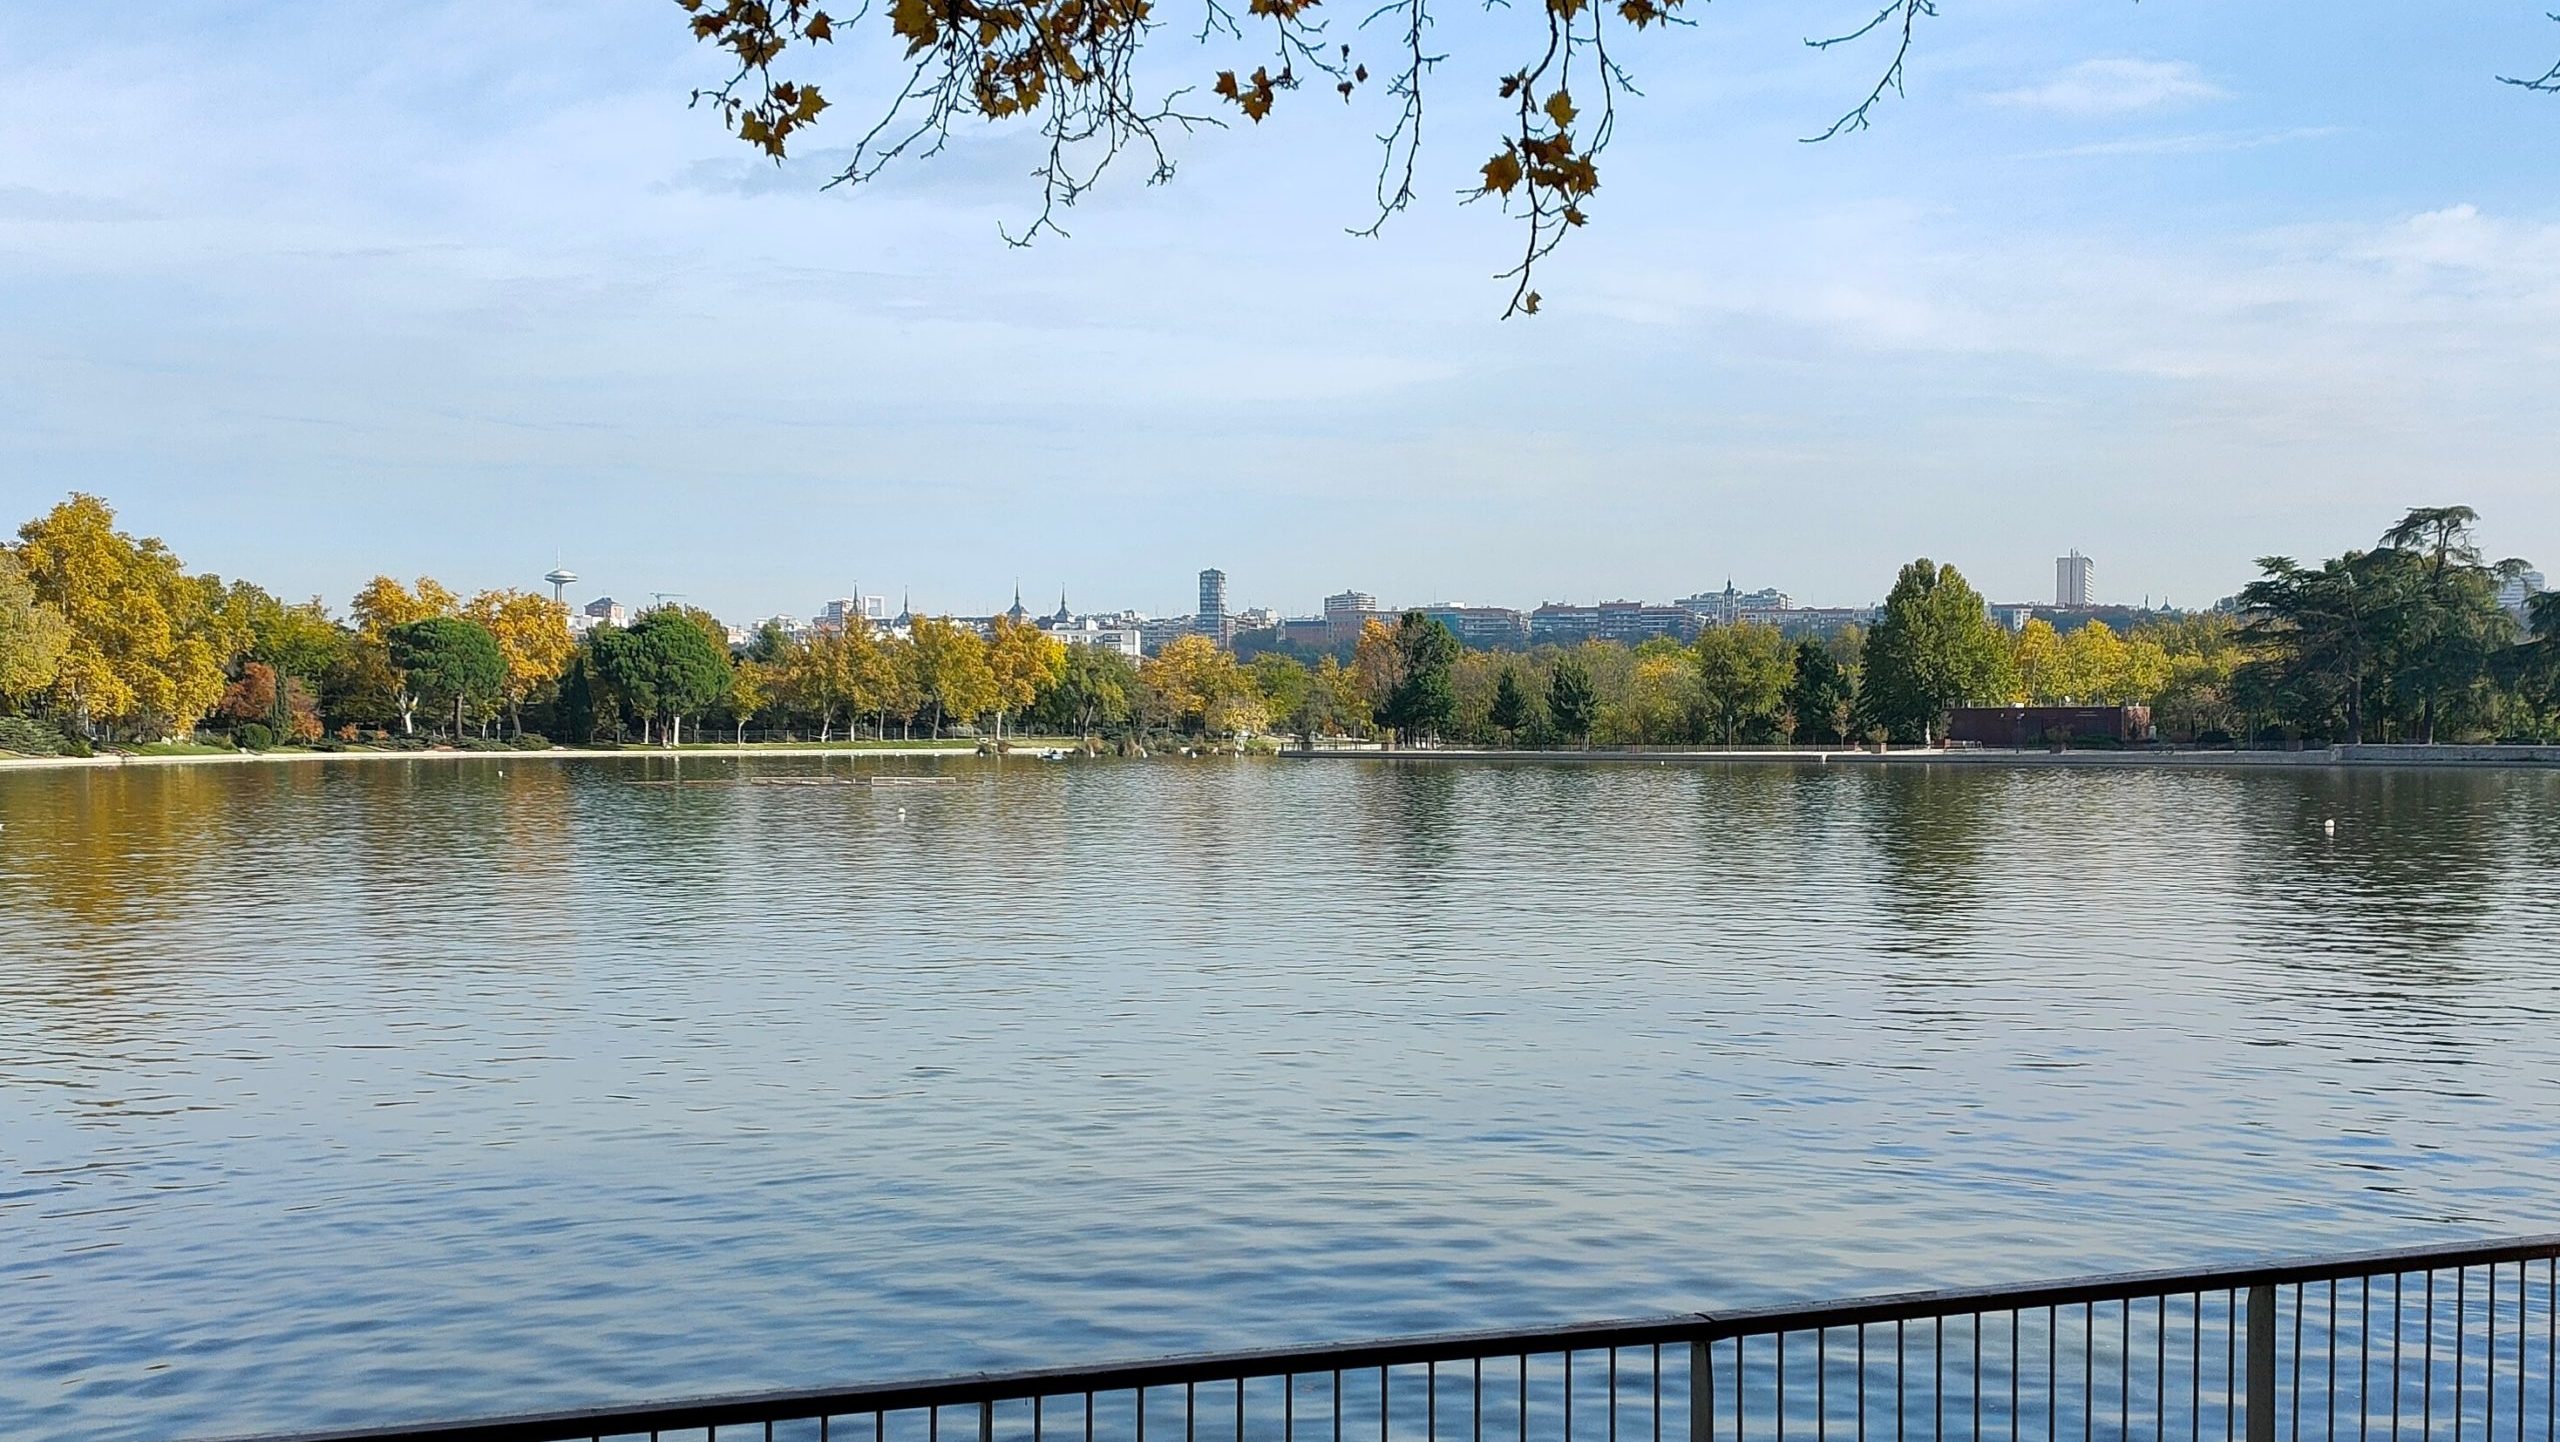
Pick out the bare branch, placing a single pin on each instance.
(1908, 13)
(2548, 82)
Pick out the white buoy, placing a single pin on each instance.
(2329, 827)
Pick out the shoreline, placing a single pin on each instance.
(2505, 758)
(563, 753)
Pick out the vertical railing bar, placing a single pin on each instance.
(1239, 1411)
(2398, 1329)
(2364, 1361)
(2052, 1375)
(2195, 1368)
(1657, 1392)
(1900, 1372)
(2124, 1369)
(1190, 1412)
(2297, 1366)
(2524, 1343)
(2262, 1367)
(1568, 1394)
(1821, 1384)
(1977, 1376)
(2013, 1374)
(2329, 1355)
(1702, 1391)
(1431, 1403)
(1476, 1398)
(2489, 1362)
(2160, 1371)
(1337, 1404)
(1382, 1405)
(1938, 1379)
(2230, 1362)
(1862, 1381)
(1088, 1420)
(1781, 1382)
(2427, 1364)
(1613, 1395)
(2461, 1324)
(2088, 1371)
(1524, 1397)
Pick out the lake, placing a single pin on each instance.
(372, 1091)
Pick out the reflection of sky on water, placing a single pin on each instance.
(333, 1089)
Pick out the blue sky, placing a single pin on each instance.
(315, 292)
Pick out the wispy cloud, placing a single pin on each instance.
(2114, 87)
(2205, 142)
(26, 203)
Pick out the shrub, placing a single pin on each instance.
(29, 737)
(480, 743)
(532, 743)
(252, 736)
(405, 743)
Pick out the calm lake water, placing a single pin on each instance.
(367, 1092)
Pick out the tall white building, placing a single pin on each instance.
(1211, 619)
(2514, 591)
(2071, 580)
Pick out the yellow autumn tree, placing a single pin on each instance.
(951, 670)
(1377, 663)
(1027, 661)
(143, 650)
(384, 605)
(2036, 658)
(533, 638)
(33, 635)
(1193, 686)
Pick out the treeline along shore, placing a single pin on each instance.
(107, 641)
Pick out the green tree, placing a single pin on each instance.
(1820, 695)
(1511, 707)
(1424, 697)
(450, 659)
(1284, 683)
(2456, 626)
(1743, 674)
(1572, 704)
(1934, 648)
(1093, 691)
(668, 665)
(2322, 635)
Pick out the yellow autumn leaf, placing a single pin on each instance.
(1502, 173)
(1560, 108)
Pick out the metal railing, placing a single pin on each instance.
(2455, 1341)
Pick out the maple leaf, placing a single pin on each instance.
(819, 27)
(1501, 173)
(914, 20)
(1560, 108)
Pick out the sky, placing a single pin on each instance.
(465, 289)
